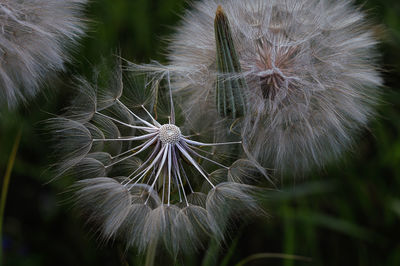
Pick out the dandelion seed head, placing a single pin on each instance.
(35, 36)
(144, 180)
(310, 65)
(169, 134)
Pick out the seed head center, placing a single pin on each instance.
(169, 134)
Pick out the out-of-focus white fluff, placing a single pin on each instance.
(311, 70)
(34, 36)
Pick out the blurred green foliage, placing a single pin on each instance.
(347, 214)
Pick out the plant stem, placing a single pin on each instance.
(151, 253)
(289, 243)
(6, 182)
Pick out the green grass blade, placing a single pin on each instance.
(4, 190)
(272, 256)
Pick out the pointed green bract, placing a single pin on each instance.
(230, 85)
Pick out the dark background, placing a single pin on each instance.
(348, 214)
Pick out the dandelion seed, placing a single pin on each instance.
(143, 180)
(34, 37)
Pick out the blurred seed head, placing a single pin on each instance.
(310, 67)
(146, 180)
(34, 37)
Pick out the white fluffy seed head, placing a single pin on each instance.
(133, 183)
(34, 37)
(169, 134)
(311, 71)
